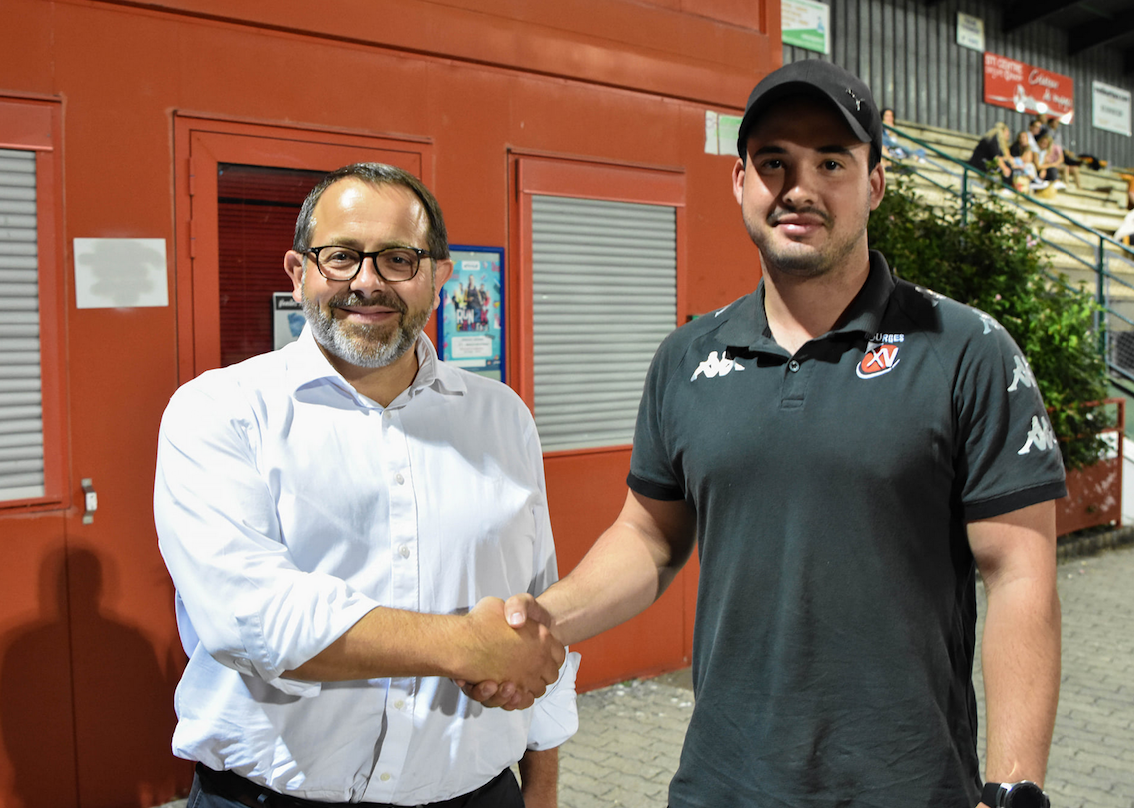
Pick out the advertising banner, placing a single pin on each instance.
(1026, 88)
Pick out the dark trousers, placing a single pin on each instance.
(229, 790)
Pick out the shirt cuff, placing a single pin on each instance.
(555, 717)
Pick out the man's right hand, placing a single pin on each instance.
(524, 656)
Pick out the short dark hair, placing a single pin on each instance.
(376, 174)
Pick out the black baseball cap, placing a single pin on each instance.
(824, 79)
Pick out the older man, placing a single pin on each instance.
(860, 449)
(340, 519)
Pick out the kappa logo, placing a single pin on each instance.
(990, 323)
(713, 367)
(879, 360)
(1041, 436)
(1022, 374)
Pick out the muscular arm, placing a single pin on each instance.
(626, 570)
(476, 646)
(539, 778)
(1020, 649)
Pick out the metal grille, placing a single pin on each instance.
(21, 407)
(604, 296)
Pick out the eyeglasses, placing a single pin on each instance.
(393, 264)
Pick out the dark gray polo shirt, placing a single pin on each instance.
(836, 610)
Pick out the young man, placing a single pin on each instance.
(340, 519)
(863, 448)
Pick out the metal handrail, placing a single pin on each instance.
(1119, 250)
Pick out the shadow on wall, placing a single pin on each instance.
(112, 726)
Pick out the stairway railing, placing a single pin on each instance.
(1115, 328)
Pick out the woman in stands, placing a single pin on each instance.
(891, 149)
(992, 152)
(1050, 160)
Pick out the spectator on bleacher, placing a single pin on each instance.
(1025, 177)
(1049, 160)
(1035, 127)
(1071, 162)
(991, 152)
(891, 148)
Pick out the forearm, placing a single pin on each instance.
(1021, 664)
(385, 643)
(539, 778)
(476, 646)
(618, 578)
(626, 570)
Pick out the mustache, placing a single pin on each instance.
(775, 216)
(379, 298)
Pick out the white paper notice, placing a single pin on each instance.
(116, 273)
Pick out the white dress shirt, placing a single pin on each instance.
(287, 507)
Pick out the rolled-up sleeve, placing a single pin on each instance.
(249, 605)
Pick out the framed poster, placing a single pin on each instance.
(470, 320)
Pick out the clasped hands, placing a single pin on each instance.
(514, 656)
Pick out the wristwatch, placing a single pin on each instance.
(1024, 794)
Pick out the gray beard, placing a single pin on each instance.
(362, 346)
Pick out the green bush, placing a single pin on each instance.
(994, 262)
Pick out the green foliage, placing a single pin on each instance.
(995, 263)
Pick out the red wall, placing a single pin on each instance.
(622, 81)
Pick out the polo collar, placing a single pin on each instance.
(747, 323)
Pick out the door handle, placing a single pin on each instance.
(90, 500)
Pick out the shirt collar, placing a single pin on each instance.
(307, 365)
(747, 324)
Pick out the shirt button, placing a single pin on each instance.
(399, 704)
(403, 551)
(388, 414)
(384, 776)
(400, 478)
(793, 366)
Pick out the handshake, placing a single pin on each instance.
(508, 654)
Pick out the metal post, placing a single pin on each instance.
(1100, 319)
(964, 196)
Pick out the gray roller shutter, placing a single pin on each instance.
(604, 291)
(21, 408)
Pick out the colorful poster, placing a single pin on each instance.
(806, 24)
(1110, 108)
(1025, 88)
(470, 321)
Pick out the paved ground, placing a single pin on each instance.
(630, 735)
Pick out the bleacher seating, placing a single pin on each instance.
(1099, 205)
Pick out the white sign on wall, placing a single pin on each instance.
(970, 31)
(1110, 108)
(806, 24)
(116, 273)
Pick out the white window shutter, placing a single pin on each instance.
(21, 407)
(604, 291)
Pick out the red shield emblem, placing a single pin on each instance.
(879, 359)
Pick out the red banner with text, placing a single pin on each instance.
(1025, 88)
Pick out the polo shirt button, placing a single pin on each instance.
(403, 551)
(384, 776)
(400, 478)
(793, 366)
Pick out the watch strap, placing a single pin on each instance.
(990, 794)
